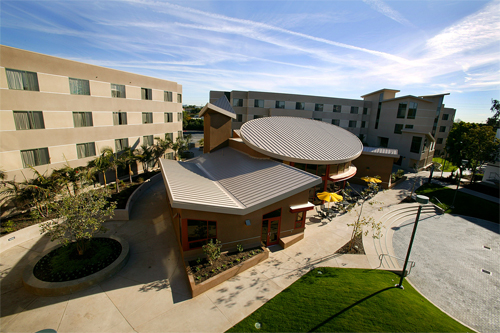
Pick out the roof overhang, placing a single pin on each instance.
(383, 152)
(378, 91)
(344, 175)
(302, 208)
(420, 99)
(426, 134)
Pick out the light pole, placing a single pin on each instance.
(403, 273)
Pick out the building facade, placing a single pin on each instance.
(55, 111)
(416, 126)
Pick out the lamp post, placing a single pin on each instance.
(423, 199)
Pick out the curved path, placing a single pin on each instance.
(450, 255)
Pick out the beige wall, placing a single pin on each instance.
(372, 165)
(217, 128)
(57, 104)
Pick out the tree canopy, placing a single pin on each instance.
(474, 143)
(495, 120)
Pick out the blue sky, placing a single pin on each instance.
(327, 48)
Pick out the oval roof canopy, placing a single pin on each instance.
(301, 140)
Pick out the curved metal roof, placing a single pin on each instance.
(301, 140)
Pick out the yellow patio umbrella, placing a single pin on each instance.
(371, 179)
(330, 197)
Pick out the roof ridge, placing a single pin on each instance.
(219, 185)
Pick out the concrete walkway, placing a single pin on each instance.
(151, 293)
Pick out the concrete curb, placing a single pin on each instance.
(42, 288)
(124, 214)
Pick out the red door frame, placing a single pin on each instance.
(269, 220)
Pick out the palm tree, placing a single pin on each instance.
(114, 163)
(161, 146)
(145, 156)
(180, 145)
(128, 157)
(101, 163)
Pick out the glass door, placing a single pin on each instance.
(270, 231)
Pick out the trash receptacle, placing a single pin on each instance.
(422, 199)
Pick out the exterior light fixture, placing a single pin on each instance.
(247, 222)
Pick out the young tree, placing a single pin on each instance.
(161, 146)
(473, 144)
(145, 156)
(101, 164)
(128, 157)
(80, 217)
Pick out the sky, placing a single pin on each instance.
(324, 48)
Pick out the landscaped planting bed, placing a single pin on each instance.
(65, 264)
(202, 270)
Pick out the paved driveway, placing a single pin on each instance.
(449, 255)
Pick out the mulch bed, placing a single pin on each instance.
(64, 263)
(357, 248)
(202, 270)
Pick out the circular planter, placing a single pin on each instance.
(43, 288)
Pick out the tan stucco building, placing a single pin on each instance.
(55, 110)
(416, 126)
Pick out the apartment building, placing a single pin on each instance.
(54, 110)
(416, 126)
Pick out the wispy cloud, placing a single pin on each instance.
(386, 10)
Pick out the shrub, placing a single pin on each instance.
(239, 247)
(212, 250)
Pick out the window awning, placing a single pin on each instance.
(301, 208)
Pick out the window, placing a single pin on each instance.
(354, 109)
(402, 110)
(180, 116)
(409, 126)
(361, 137)
(120, 144)
(82, 119)
(318, 119)
(117, 90)
(169, 136)
(337, 108)
(179, 98)
(85, 149)
(416, 142)
(237, 102)
(412, 110)
(363, 124)
(445, 116)
(257, 116)
(258, 103)
(336, 122)
(239, 118)
(300, 105)
(439, 141)
(169, 117)
(318, 107)
(365, 110)
(79, 87)
(199, 232)
(379, 109)
(147, 117)
(383, 142)
(147, 140)
(398, 129)
(146, 94)
(22, 80)
(228, 95)
(352, 123)
(28, 120)
(179, 134)
(34, 157)
(280, 104)
(167, 96)
(300, 220)
(442, 129)
(119, 118)
(169, 156)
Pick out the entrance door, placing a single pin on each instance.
(270, 231)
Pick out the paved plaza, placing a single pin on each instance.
(151, 293)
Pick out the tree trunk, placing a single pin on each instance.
(117, 180)
(130, 173)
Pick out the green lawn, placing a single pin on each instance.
(465, 204)
(348, 300)
(448, 167)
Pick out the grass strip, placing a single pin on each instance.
(348, 300)
(465, 204)
(448, 166)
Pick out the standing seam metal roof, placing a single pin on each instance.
(301, 140)
(228, 181)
